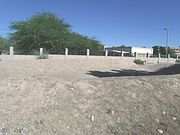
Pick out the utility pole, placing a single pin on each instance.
(167, 40)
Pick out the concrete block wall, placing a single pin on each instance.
(88, 56)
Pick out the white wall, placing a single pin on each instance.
(142, 50)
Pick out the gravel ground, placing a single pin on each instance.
(49, 97)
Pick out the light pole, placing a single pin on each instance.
(158, 49)
(167, 39)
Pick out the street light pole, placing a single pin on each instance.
(167, 39)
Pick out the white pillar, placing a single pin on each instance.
(122, 54)
(106, 54)
(177, 57)
(11, 50)
(41, 51)
(159, 56)
(168, 58)
(87, 56)
(66, 52)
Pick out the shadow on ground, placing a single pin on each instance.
(170, 70)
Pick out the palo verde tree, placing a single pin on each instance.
(48, 31)
(4, 43)
(42, 30)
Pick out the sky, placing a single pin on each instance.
(112, 22)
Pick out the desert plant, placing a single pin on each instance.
(178, 61)
(43, 56)
(139, 62)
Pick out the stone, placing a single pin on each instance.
(160, 131)
(92, 118)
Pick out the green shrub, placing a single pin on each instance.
(43, 56)
(139, 62)
(178, 61)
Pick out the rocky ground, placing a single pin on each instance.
(48, 97)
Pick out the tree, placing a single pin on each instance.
(4, 43)
(42, 30)
(162, 51)
(159, 49)
(48, 31)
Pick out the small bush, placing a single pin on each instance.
(43, 56)
(178, 61)
(139, 62)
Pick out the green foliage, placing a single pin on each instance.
(162, 51)
(172, 53)
(47, 31)
(43, 30)
(139, 62)
(4, 43)
(178, 61)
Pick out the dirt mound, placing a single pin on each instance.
(144, 105)
(47, 97)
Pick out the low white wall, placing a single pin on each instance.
(17, 57)
(83, 57)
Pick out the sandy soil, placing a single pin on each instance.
(53, 97)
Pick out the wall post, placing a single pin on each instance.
(41, 51)
(66, 52)
(11, 51)
(106, 54)
(87, 55)
(122, 54)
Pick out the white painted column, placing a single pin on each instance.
(87, 56)
(106, 54)
(159, 56)
(11, 50)
(122, 54)
(168, 58)
(41, 51)
(177, 57)
(66, 52)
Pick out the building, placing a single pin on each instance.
(130, 50)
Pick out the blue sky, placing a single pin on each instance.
(113, 22)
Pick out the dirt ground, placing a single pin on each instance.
(93, 97)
